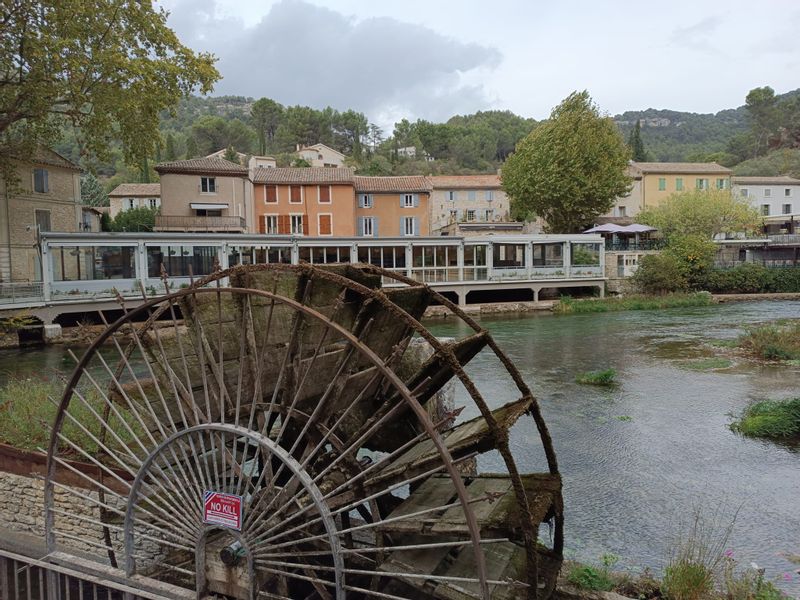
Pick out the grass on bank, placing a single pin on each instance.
(770, 419)
(705, 364)
(27, 413)
(568, 305)
(606, 377)
(773, 341)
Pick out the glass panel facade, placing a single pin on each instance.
(548, 255)
(76, 263)
(181, 261)
(388, 257)
(585, 255)
(509, 256)
(325, 254)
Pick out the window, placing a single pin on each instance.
(208, 212)
(325, 224)
(367, 226)
(452, 196)
(409, 226)
(270, 225)
(662, 184)
(153, 202)
(324, 194)
(131, 203)
(208, 185)
(701, 184)
(787, 192)
(488, 195)
(42, 218)
(488, 214)
(470, 215)
(297, 224)
(679, 184)
(365, 201)
(787, 209)
(270, 194)
(765, 210)
(41, 184)
(472, 195)
(621, 211)
(743, 191)
(295, 194)
(181, 261)
(408, 201)
(722, 184)
(767, 192)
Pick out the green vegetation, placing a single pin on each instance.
(596, 579)
(606, 377)
(638, 153)
(27, 411)
(142, 218)
(104, 69)
(770, 419)
(705, 364)
(783, 161)
(570, 169)
(567, 305)
(773, 341)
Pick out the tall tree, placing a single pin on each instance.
(191, 147)
(635, 143)
(92, 193)
(267, 116)
(762, 108)
(106, 67)
(169, 148)
(570, 169)
(231, 154)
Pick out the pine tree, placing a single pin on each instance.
(231, 154)
(92, 193)
(169, 148)
(191, 147)
(638, 153)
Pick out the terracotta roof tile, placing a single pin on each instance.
(211, 166)
(409, 183)
(462, 182)
(300, 175)
(136, 189)
(782, 180)
(680, 167)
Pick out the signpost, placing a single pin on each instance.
(222, 509)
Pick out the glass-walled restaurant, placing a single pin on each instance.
(102, 264)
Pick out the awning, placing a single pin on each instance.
(208, 205)
(612, 228)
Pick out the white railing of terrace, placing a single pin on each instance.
(100, 266)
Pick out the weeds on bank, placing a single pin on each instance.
(596, 579)
(568, 305)
(770, 419)
(606, 377)
(773, 341)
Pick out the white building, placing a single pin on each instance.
(771, 196)
(320, 155)
(134, 195)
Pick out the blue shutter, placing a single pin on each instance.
(416, 200)
(402, 201)
(360, 226)
(402, 227)
(416, 226)
(460, 214)
(360, 201)
(371, 201)
(375, 231)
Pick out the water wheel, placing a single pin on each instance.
(267, 433)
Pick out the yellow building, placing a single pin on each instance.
(653, 182)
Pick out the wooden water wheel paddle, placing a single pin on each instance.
(262, 433)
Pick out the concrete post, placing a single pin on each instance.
(567, 259)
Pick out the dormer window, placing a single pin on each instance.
(208, 185)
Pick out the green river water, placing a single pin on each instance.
(637, 459)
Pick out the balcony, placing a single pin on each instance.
(203, 224)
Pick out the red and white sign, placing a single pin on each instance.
(222, 509)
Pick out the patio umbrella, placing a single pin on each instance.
(606, 228)
(637, 228)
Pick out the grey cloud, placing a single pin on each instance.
(300, 53)
(697, 36)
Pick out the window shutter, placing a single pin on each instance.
(284, 224)
(371, 201)
(360, 226)
(46, 181)
(460, 214)
(325, 225)
(416, 226)
(402, 200)
(272, 194)
(305, 226)
(375, 231)
(262, 224)
(416, 200)
(361, 201)
(402, 226)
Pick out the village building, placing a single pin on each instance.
(320, 155)
(467, 199)
(133, 195)
(46, 196)
(654, 182)
(204, 194)
(777, 199)
(317, 201)
(392, 206)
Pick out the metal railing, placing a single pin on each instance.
(195, 223)
(633, 246)
(769, 263)
(14, 293)
(24, 578)
(784, 239)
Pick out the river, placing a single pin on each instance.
(637, 460)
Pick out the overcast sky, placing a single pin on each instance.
(433, 58)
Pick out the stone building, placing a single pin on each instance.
(46, 196)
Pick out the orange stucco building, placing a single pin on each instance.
(321, 201)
